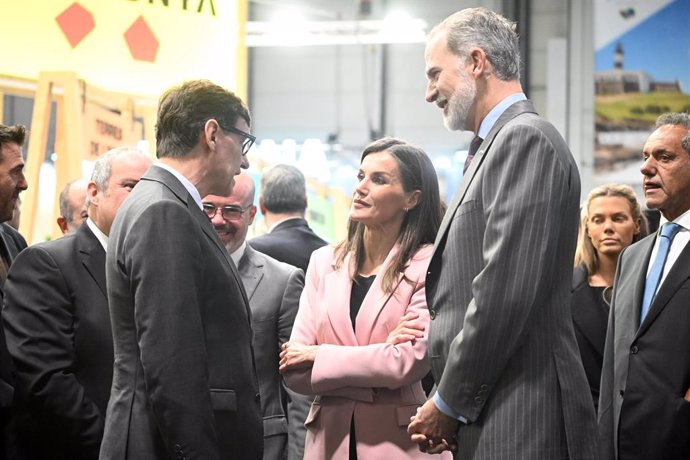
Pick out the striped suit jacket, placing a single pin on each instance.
(501, 343)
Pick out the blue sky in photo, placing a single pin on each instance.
(660, 46)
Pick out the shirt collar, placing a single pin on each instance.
(100, 236)
(683, 220)
(281, 221)
(239, 252)
(187, 184)
(490, 119)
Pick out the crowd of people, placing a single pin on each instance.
(155, 329)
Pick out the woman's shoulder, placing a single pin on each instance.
(324, 255)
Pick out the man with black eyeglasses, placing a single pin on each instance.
(273, 289)
(184, 382)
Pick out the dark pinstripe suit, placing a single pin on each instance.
(501, 344)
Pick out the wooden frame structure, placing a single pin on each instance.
(74, 97)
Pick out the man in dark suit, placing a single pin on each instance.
(58, 327)
(501, 342)
(273, 289)
(644, 404)
(12, 183)
(283, 202)
(184, 384)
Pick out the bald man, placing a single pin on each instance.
(72, 206)
(273, 289)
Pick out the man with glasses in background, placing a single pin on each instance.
(184, 382)
(273, 289)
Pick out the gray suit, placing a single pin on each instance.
(646, 371)
(274, 289)
(184, 384)
(501, 342)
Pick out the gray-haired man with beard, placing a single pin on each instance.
(501, 342)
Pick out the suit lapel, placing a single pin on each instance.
(679, 274)
(374, 302)
(338, 285)
(510, 113)
(93, 256)
(251, 271)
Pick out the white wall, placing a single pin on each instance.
(321, 90)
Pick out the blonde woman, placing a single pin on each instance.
(611, 221)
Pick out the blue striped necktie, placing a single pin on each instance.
(668, 231)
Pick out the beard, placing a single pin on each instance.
(459, 105)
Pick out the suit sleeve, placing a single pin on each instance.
(163, 258)
(524, 186)
(378, 364)
(605, 417)
(40, 336)
(297, 404)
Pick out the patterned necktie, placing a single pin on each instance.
(474, 146)
(668, 231)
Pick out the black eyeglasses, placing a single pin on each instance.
(248, 138)
(228, 212)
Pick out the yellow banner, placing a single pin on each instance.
(131, 46)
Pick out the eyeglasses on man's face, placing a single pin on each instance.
(248, 139)
(228, 212)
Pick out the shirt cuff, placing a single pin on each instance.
(446, 409)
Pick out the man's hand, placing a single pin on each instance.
(433, 430)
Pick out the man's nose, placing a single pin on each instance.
(431, 92)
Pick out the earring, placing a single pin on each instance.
(406, 209)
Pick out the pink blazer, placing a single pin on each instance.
(355, 372)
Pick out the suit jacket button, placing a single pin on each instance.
(432, 313)
(257, 397)
(621, 393)
(634, 349)
(478, 400)
(484, 387)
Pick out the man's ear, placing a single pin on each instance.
(252, 213)
(92, 193)
(262, 208)
(211, 131)
(480, 64)
(62, 223)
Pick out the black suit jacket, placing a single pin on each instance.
(590, 317)
(184, 382)
(11, 243)
(58, 333)
(646, 373)
(291, 241)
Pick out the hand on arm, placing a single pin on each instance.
(297, 356)
(409, 329)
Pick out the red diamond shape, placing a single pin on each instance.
(141, 42)
(76, 22)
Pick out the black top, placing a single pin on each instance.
(360, 287)
(590, 318)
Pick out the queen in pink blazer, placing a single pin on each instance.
(366, 378)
